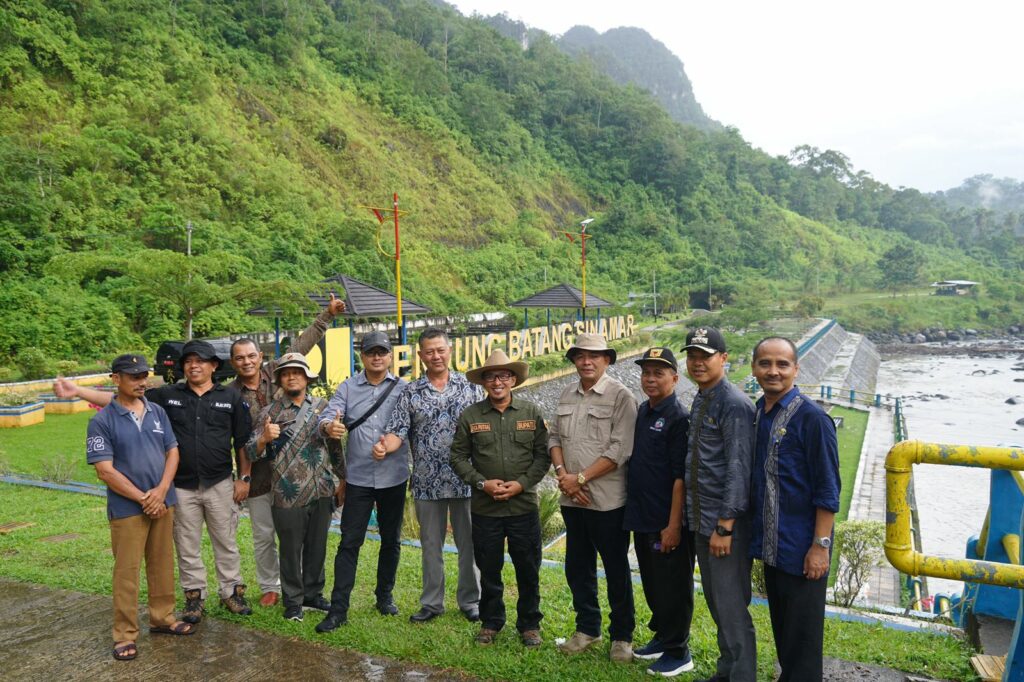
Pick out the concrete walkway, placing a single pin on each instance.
(868, 502)
(51, 634)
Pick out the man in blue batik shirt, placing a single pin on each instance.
(794, 498)
(426, 416)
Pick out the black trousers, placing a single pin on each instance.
(523, 535)
(587, 534)
(302, 548)
(797, 607)
(667, 580)
(355, 518)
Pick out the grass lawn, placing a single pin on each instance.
(32, 450)
(85, 565)
(851, 440)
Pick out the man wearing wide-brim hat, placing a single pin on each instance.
(590, 442)
(307, 468)
(500, 450)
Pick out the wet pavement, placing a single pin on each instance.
(51, 634)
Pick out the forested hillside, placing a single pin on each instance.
(266, 125)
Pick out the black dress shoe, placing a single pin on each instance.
(471, 614)
(318, 603)
(423, 615)
(331, 622)
(387, 608)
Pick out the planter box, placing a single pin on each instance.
(55, 405)
(22, 415)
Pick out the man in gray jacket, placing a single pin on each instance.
(718, 466)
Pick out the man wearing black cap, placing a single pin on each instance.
(208, 420)
(307, 470)
(361, 407)
(255, 381)
(655, 498)
(131, 444)
(718, 466)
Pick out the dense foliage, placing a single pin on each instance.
(267, 124)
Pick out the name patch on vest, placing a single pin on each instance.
(526, 425)
(478, 428)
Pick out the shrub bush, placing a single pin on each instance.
(859, 545)
(33, 363)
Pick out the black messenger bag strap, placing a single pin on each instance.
(352, 426)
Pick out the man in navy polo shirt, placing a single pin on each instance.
(794, 498)
(655, 500)
(131, 444)
(209, 420)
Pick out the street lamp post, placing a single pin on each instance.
(583, 259)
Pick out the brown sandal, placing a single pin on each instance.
(126, 652)
(178, 628)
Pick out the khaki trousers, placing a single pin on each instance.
(131, 539)
(215, 507)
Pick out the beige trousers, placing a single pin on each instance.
(215, 507)
(131, 539)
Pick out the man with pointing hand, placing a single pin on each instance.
(365, 402)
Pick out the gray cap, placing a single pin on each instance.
(373, 340)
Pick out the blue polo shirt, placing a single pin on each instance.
(786, 491)
(137, 449)
(658, 459)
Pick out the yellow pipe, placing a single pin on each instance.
(899, 549)
(1011, 543)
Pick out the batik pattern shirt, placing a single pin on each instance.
(427, 418)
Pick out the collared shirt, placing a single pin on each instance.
(260, 397)
(205, 426)
(304, 466)
(658, 461)
(426, 417)
(353, 398)
(509, 445)
(796, 472)
(722, 437)
(137, 449)
(595, 423)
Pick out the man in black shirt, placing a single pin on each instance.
(208, 420)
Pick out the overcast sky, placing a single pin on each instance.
(919, 94)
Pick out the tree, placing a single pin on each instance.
(901, 266)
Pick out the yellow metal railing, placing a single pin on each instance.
(899, 547)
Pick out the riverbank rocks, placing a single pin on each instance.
(1012, 401)
(1020, 422)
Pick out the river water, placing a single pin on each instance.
(954, 399)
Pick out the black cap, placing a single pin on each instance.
(659, 355)
(707, 339)
(373, 340)
(129, 364)
(203, 349)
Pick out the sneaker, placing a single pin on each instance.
(293, 613)
(577, 643)
(621, 651)
(194, 608)
(318, 602)
(236, 602)
(530, 638)
(651, 651)
(387, 608)
(670, 666)
(485, 637)
(269, 599)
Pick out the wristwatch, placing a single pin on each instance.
(581, 479)
(480, 485)
(825, 542)
(723, 531)
(246, 479)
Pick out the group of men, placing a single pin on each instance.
(720, 484)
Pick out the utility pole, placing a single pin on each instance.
(188, 253)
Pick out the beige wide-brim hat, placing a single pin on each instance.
(592, 342)
(495, 361)
(293, 360)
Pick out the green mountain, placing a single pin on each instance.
(269, 126)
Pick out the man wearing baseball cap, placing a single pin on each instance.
(131, 444)
(307, 470)
(718, 467)
(361, 407)
(500, 450)
(655, 498)
(209, 420)
(590, 442)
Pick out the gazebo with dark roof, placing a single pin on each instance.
(560, 296)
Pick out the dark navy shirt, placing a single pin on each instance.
(137, 449)
(786, 492)
(659, 458)
(206, 426)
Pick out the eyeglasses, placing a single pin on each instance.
(504, 378)
(376, 352)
